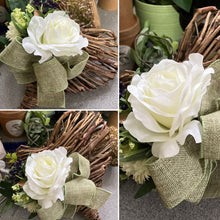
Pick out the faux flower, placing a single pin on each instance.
(19, 17)
(56, 34)
(21, 197)
(165, 101)
(12, 32)
(46, 174)
(31, 206)
(29, 9)
(138, 169)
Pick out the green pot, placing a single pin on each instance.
(163, 19)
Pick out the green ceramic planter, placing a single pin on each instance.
(163, 19)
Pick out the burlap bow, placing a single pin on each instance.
(194, 173)
(51, 76)
(79, 190)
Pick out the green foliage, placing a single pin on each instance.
(145, 188)
(130, 148)
(13, 157)
(37, 128)
(184, 4)
(3, 42)
(122, 175)
(6, 188)
(135, 155)
(6, 191)
(32, 215)
(151, 49)
(124, 101)
(8, 204)
(17, 4)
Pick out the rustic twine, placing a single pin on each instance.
(86, 133)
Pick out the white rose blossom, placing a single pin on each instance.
(165, 101)
(56, 34)
(46, 174)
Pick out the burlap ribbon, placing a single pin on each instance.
(79, 190)
(51, 76)
(194, 173)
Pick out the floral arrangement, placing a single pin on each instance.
(47, 182)
(38, 184)
(169, 138)
(45, 47)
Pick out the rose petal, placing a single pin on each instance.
(140, 132)
(165, 149)
(193, 128)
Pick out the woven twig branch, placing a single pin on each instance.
(85, 133)
(202, 35)
(126, 77)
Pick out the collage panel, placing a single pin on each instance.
(59, 151)
(169, 109)
(58, 54)
(57, 164)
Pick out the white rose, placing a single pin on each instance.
(56, 34)
(46, 174)
(164, 102)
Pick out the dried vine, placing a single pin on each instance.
(202, 35)
(86, 133)
(126, 77)
(84, 12)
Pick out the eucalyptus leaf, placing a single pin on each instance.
(37, 128)
(145, 188)
(7, 205)
(150, 49)
(184, 4)
(32, 215)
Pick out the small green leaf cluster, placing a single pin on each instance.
(37, 128)
(151, 49)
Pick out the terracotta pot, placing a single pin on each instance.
(163, 19)
(128, 35)
(129, 23)
(11, 123)
(108, 5)
(126, 18)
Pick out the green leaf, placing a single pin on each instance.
(4, 40)
(47, 122)
(32, 215)
(18, 4)
(134, 155)
(184, 4)
(146, 187)
(125, 133)
(14, 157)
(7, 205)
